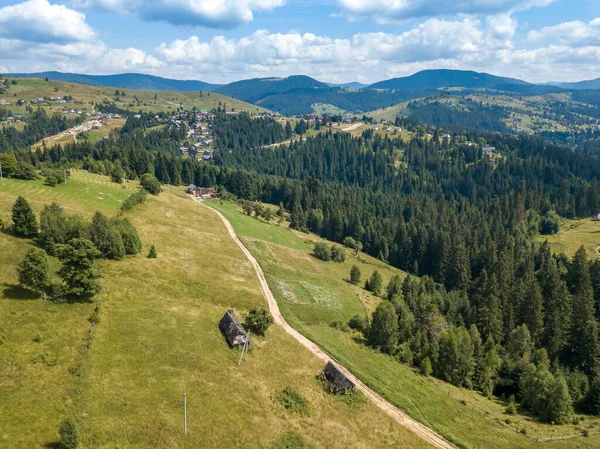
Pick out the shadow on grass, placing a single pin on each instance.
(359, 339)
(53, 445)
(15, 291)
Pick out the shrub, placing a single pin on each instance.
(322, 251)
(511, 409)
(293, 401)
(152, 254)
(359, 323)
(425, 367)
(405, 354)
(291, 441)
(149, 182)
(134, 199)
(69, 435)
(258, 321)
(355, 274)
(338, 254)
(129, 235)
(349, 242)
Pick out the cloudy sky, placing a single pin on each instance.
(332, 40)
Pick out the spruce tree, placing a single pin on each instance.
(152, 254)
(105, 236)
(374, 284)
(355, 274)
(79, 270)
(69, 435)
(383, 333)
(560, 405)
(531, 306)
(558, 310)
(34, 271)
(584, 345)
(24, 221)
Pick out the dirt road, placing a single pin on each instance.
(424, 432)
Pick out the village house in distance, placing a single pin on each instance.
(205, 193)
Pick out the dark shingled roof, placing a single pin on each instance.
(232, 329)
(337, 381)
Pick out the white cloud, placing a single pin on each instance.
(40, 21)
(208, 13)
(574, 33)
(386, 11)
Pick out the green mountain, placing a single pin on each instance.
(435, 79)
(136, 81)
(587, 84)
(256, 89)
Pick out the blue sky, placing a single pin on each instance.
(332, 40)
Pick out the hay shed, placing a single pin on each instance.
(234, 332)
(337, 381)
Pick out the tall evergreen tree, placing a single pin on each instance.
(79, 270)
(34, 271)
(383, 333)
(24, 221)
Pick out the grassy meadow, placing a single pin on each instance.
(313, 294)
(573, 234)
(85, 95)
(157, 339)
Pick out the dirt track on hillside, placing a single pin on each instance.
(424, 432)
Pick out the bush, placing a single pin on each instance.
(258, 321)
(349, 242)
(293, 402)
(129, 235)
(359, 323)
(149, 182)
(291, 441)
(51, 181)
(338, 254)
(69, 435)
(133, 200)
(511, 409)
(153, 253)
(355, 275)
(549, 224)
(322, 251)
(425, 367)
(405, 354)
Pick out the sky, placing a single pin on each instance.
(336, 41)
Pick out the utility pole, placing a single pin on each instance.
(0, 171)
(65, 173)
(184, 414)
(244, 349)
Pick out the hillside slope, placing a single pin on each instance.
(317, 300)
(435, 79)
(136, 81)
(157, 339)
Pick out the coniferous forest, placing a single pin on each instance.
(485, 305)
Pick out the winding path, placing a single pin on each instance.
(424, 432)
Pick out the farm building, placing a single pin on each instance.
(337, 381)
(233, 331)
(202, 192)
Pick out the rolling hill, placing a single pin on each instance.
(435, 79)
(586, 84)
(136, 81)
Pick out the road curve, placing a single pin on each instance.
(424, 432)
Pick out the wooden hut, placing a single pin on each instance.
(233, 331)
(337, 381)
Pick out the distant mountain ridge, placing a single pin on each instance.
(435, 79)
(135, 81)
(579, 85)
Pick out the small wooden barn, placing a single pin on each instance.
(336, 380)
(234, 332)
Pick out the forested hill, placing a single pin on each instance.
(136, 81)
(487, 306)
(435, 79)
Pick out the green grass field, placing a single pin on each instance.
(85, 95)
(312, 294)
(158, 338)
(573, 234)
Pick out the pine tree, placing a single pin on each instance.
(153, 253)
(383, 333)
(106, 237)
(560, 404)
(425, 367)
(558, 310)
(79, 271)
(69, 435)
(374, 283)
(24, 221)
(34, 271)
(531, 306)
(489, 314)
(394, 287)
(583, 343)
(355, 274)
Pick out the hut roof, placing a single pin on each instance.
(337, 380)
(232, 329)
